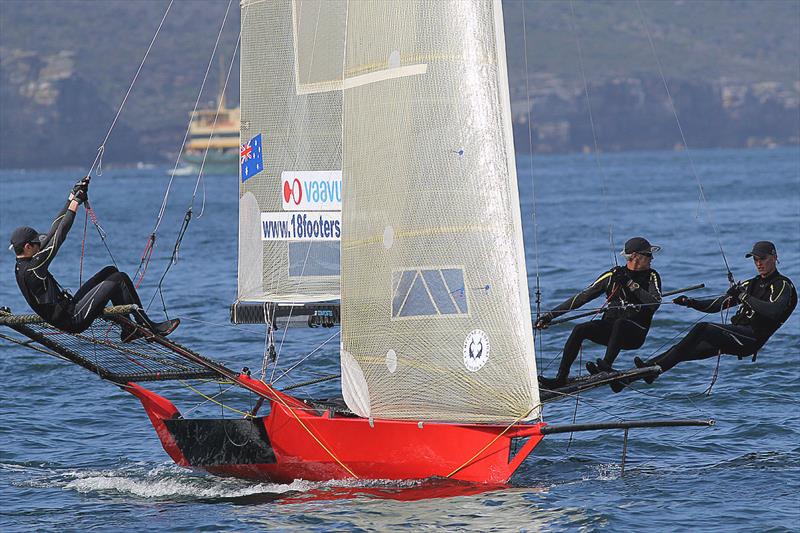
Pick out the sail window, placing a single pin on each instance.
(308, 259)
(428, 292)
(319, 38)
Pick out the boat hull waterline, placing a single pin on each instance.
(296, 442)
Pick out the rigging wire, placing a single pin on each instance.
(277, 354)
(315, 350)
(189, 212)
(596, 151)
(98, 160)
(685, 144)
(536, 333)
(102, 147)
(148, 251)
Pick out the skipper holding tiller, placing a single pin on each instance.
(633, 294)
(43, 293)
(765, 303)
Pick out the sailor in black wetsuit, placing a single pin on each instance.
(73, 314)
(625, 323)
(765, 302)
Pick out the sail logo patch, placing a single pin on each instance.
(292, 193)
(250, 158)
(311, 190)
(476, 350)
(301, 226)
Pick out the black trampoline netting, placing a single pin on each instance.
(100, 350)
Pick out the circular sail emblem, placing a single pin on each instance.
(476, 350)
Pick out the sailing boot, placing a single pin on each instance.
(592, 367)
(552, 383)
(618, 386)
(165, 328)
(130, 334)
(603, 366)
(644, 364)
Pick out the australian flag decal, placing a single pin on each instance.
(250, 158)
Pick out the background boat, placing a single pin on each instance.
(215, 130)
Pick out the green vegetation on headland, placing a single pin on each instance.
(732, 68)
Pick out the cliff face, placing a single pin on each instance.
(635, 114)
(732, 68)
(51, 116)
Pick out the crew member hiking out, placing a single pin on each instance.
(625, 321)
(43, 293)
(765, 303)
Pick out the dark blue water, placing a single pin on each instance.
(78, 454)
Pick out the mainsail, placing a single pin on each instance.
(289, 207)
(435, 306)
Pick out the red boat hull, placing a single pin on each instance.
(296, 442)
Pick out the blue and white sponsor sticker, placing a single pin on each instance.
(311, 190)
(301, 226)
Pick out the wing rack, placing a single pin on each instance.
(584, 383)
(99, 349)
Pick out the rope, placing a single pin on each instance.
(83, 247)
(173, 260)
(100, 231)
(594, 133)
(468, 461)
(685, 144)
(239, 327)
(577, 396)
(724, 317)
(328, 451)
(212, 399)
(144, 262)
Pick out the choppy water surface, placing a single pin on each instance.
(78, 454)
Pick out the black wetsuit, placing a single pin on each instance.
(623, 326)
(768, 303)
(46, 297)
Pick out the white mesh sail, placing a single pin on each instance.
(435, 307)
(289, 216)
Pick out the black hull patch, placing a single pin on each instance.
(215, 442)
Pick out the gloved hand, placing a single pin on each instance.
(544, 321)
(619, 275)
(80, 196)
(683, 300)
(81, 185)
(737, 292)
